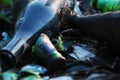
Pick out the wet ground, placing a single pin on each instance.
(86, 58)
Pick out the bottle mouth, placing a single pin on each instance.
(7, 60)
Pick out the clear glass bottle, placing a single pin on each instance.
(36, 16)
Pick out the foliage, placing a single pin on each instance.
(5, 7)
(7, 2)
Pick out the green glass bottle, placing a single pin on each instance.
(46, 50)
(105, 5)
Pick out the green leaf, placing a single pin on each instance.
(31, 77)
(33, 69)
(59, 44)
(8, 76)
(4, 17)
(31, 72)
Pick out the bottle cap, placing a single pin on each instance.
(7, 60)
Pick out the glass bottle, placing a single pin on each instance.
(36, 16)
(45, 49)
